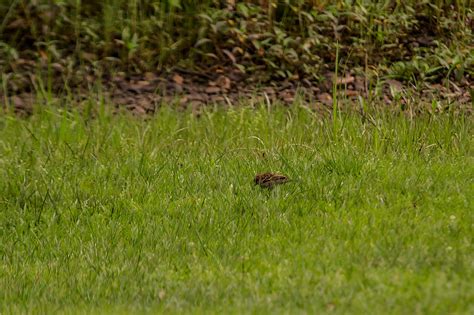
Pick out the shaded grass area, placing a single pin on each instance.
(119, 214)
(66, 41)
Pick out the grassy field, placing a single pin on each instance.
(118, 214)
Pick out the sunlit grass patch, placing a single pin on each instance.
(119, 213)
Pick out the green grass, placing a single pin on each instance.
(118, 214)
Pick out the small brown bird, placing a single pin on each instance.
(269, 180)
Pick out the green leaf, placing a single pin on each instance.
(175, 3)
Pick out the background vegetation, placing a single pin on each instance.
(413, 41)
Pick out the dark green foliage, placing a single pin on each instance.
(285, 39)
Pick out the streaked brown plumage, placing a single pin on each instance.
(269, 180)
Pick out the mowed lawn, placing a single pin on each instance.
(118, 214)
